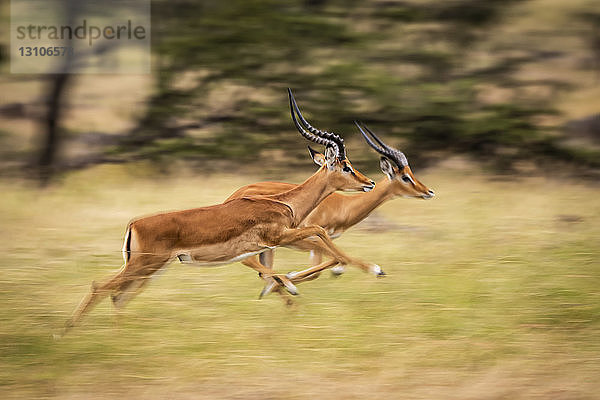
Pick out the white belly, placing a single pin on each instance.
(187, 258)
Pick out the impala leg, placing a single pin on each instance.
(272, 279)
(310, 273)
(124, 296)
(316, 257)
(97, 293)
(292, 236)
(300, 238)
(122, 286)
(365, 266)
(326, 246)
(267, 257)
(317, 249)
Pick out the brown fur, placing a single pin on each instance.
(339, 212)
(224, 232)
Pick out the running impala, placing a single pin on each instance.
(337, 212)
(232, 231)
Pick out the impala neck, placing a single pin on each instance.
(306, 197)
(361, 205)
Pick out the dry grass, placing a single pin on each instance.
(492, 292)
(492, 289)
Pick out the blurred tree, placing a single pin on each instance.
(592, 19)
(409, 69)
(57, 85)
(405, 67)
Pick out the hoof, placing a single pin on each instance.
(291, 275)
(377, 271)
(267, 289)
(337, 270)
(291, 288)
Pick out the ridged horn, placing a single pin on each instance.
(395, 155)
(331, 138)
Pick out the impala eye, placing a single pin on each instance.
(406, 179)
(346, 168)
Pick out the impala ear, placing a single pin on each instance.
(330, 156)
(317, 157)
(387, 168)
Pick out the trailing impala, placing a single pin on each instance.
(232, 231)
(337, 212)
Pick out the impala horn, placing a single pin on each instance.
(396, 155)
(314, 134)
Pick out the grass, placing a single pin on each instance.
(492, 292)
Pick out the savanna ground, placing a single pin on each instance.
(492, 292)
(493, 286)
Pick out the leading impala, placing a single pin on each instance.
(233, 231)
(337, 213)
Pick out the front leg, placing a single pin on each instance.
(292, 236)
(318, 248)
(268, 275)
(267, 257)
(310, 273)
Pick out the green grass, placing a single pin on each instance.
(493, 291)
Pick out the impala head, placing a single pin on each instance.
(395, 165)
(334, 162)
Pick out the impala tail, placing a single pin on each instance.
(127, 244)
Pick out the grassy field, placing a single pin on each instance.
(493, 291)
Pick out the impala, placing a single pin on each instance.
(337, 212)
(232, 231)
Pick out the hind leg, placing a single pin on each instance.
(124, 295)
(136, 278)
(97, 293)
(268, 275)
(137, 268)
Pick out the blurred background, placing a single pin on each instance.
(493, 285)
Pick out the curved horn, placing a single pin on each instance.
(382, 148)
(377, 148)
(400, 157)
(332, 137)
(303, 132)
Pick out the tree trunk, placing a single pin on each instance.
(52, 138)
